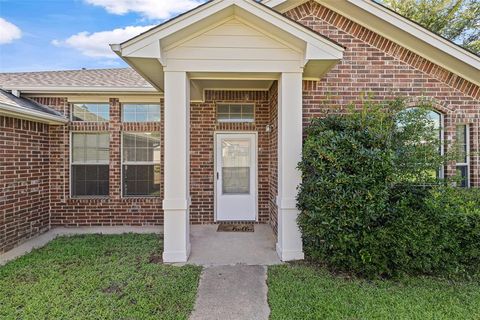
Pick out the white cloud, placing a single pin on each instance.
(153, 9)
(8, 32)
(96, 44)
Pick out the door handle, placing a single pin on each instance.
(218, 175)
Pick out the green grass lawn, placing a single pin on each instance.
(300, 291)
(97, 277)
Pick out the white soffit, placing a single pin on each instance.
(161, 47)
(400, 30)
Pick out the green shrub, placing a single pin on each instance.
(364, 204)
(458, 217)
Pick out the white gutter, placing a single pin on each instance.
(67, 89)
(27, 114)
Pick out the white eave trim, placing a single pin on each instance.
(418, 31)
(27, 114)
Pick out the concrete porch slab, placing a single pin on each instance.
(212, 248)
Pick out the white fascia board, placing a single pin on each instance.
(273, 3)
(27, 114)
(315, 53)
(151, 50)
(418, 31)
(283, 5)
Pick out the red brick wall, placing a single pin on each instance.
(24, 184)
(273, 186)
(203, 125)
(373, 65)
(111, 211)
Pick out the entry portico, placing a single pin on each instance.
(229, 45)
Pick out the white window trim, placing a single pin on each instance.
(70, 171)
(140, 103)
(253, 104)
(72, 105)
(122, 163)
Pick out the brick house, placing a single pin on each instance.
(206, 125)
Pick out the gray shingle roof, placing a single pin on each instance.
(111, 78)
(23, 103)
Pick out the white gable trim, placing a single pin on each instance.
(417, 31)
(146, 44)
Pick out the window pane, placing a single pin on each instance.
(141, 112)
(235, 113)
(141, 180)
(235, 108)
(141, 147)
(154, 113)
(141, 117)
(128, 154)
(223, 108)
(235, 166)
(236, 180)
(462, 172)
(90, 147)
(78, 113)
(90, 180)
(78, 155)
(128, 116)
(462, 144)
(94, 112)
(142, 154)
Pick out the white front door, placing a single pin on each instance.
(236, 173)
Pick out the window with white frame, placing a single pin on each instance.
(138, 112)
(91, 112)
(235, 112)
(463, 157)
(141, 164)
(90, 164)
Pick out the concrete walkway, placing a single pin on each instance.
(43, 239)
(233, 283)
(231, 293)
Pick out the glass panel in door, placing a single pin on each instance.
(236, 161)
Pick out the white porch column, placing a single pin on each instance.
(289, 245)
(176, 192)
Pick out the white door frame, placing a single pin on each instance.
(215, 181)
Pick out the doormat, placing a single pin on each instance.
(237, 227)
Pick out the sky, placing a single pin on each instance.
(42, 35)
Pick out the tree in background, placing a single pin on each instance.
(456, 20)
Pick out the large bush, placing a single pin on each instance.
(370, 200)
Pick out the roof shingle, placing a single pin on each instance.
(23, 103)
(110, 78)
